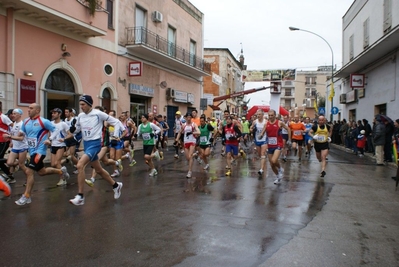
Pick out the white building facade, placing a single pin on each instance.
(369, 83)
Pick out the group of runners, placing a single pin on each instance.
(272, 139)
(110, 140)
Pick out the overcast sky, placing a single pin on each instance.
(262, 28)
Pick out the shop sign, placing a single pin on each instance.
(137, 89)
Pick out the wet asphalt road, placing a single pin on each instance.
(209, 220)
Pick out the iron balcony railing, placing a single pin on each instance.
(142, 36)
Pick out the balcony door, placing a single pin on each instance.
(171, 41)
(140, 23)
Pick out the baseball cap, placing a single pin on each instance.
(178, 113)
(9, 112)
(362, 132)
(56, 110)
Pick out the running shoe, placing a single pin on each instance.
(132, 163)
(61, 182)
(176, 156)
(280, 173)
(77, 200)
(153, 172)
(75, 171)
(206, 167)
(156, 155)
(117, 190)
(242, 153)
(119, 165)
(260, 172)
(161, 155)
(323, 173)
(11, 180)
(128, 157)
(5, 187)
(89, 182)
(115, 174)
(228, 173)
(285, 159)
(65, 173)
(23, 200)
(277, 181)
(188, 174)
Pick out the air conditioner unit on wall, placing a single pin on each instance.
(157, 16)
(342, 98)
(170, 93)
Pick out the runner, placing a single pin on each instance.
(284, 132)
(321, 134)
(19, 145)
(35, 128)
(308, 138)
(260, 139)
(297, 130)
(128, 146)
(72, 144)
(90, 123)
(148, 131)
(102, 155)
(206, 139)
(231, 133)
(58, 146)
(245, 130)
(275, 143)
(5, 124)
(177, 128)
(189, 131)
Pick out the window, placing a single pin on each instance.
(171, 41)
(351, 47)
(387, 15)
(193, 50)
(110, 10)
(310, 80)
(59, 80)
(366, 33)
(288, 92)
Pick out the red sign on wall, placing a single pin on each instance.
(26, 92)
(135, 69)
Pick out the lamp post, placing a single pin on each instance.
(332, 64)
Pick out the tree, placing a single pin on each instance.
(321, 101)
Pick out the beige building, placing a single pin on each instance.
(300, 96)
(133, 56)
(226, 79)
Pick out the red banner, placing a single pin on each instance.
(26, 92)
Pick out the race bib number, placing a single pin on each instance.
(203, 139)
(32, 142)
(297, 132)
(146, 136)
(321, 138)
(272, 141)
(87, 132)
(228, 135)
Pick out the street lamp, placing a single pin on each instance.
(332, 64)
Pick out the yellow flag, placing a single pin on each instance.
(315, 105)
(332, 92)
(304, 115)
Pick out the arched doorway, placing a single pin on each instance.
(60, 92)
(106, 99)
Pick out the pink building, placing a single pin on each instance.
(137, 56)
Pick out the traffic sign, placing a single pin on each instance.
(322, 111)
(334, 110)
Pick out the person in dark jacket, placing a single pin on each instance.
(389, 129)
(369, 136)
(395, 141)
(379, 140)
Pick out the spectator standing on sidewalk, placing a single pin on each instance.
(379, 140)
(369, 136)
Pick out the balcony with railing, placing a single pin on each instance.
(72, 16)
(150, 46)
